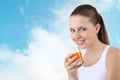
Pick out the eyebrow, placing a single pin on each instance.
(78, 27)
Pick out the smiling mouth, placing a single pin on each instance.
(80, 42)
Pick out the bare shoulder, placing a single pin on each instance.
(113, 52)
(113, 56)
(113, 64)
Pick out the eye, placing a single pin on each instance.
(82, 29)
(72, 30)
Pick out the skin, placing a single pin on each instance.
(84, 34)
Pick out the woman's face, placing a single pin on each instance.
(83, 32)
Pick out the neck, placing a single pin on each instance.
(96, 46)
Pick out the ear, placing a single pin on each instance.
(98, 26)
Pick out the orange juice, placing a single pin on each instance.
(78, 54)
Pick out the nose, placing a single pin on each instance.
(76, 35)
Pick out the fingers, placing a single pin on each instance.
(80, 63)
(72, 62)
(69, 60)
(67, 57)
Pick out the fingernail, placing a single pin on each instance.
(68, 59)
(79, 62)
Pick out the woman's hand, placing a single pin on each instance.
(71, 64)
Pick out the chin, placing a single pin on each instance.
(81, 46)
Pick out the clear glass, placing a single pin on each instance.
(76, 52)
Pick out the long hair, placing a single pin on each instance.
(87, 10)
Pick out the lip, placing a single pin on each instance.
(80, 42)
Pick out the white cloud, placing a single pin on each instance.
(105, 5)
(46, 52)
(9, 77)
(5, 53)
(44, 61)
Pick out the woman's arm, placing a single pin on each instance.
(72, 65)
(113, 64)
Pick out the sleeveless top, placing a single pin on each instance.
(96, 71)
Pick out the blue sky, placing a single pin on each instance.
(17, 18)
(34, 36)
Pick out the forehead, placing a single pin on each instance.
(78, 20)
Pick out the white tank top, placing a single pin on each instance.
(96, 71)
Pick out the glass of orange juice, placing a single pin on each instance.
(76, 52)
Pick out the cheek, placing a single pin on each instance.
(87, 36)
(90, 37)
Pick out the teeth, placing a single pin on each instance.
(80, 42)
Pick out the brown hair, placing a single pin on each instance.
(91, 12)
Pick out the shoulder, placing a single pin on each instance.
(113, 64)
(113, 52)
(113, 56)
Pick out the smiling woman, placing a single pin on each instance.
(100, 59)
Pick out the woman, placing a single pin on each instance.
(101, 61)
